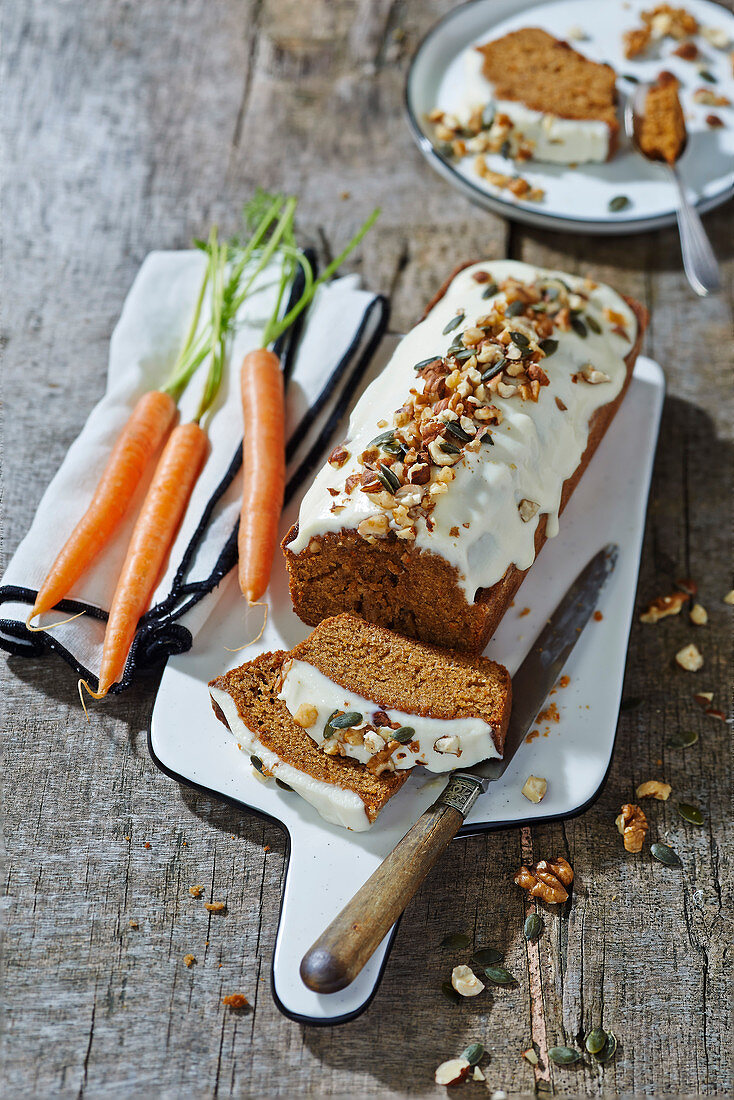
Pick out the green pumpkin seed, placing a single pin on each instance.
(454, 323)
(488, 116)
(533, 927)
(458, 940)
(419, 366)
(444, 149)
(397, 449)
(505, 149)
(579, 327)
(520, 339)
(515, 308)
(630, 703)
(619, 202)
(450, 993)
(473, 1053)
(449, 448)
(548, 346)
(563, 1056)
(499, 975)
(683, 739)
(706, 75)
(632, 79)
(607, 1052)
(494, 370)
(665, 854)
(487, 438)
(388, 479)
(386, 437)
(595, 1040)
(490, 290)
(403, 735)
(690, 813)
(257, 764)
(284, 786)
(593, 324)
(458, 431)
(487, 956)
(328, 729)
(462, 354)
(346, 720)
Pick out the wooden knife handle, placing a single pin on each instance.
(337, 956)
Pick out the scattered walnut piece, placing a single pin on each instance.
(703, 698)
(465, 981)
(635, 42)
(663, 606)
(729, 597)
(654, 788)
(714, 122)
(306, 716)
(477, 1075)
(133, 924)
(236, 1000)
(530, 1056)
(689, 658)
(709, 98)
(338, 456)
(699, 615)
(632, 824)
(687, 50)
(547, 879)
(195, 891)
(189, 960)
(527, 509)
(535, 788)
(453, 1071)
(215, 906)
(716, 37)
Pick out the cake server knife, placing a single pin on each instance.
(337, 957)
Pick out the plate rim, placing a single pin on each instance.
(510, 210)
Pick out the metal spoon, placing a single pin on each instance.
(699, 261)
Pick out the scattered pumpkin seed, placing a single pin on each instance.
(631, 703)
(515, 308)
(608, 1050)
(490, 290)
(619, 202)
(403, 735)
(579, 327)
(520, 339)
(454, 323)
(665, 854)
(473, 1053)
(499, 975)
(495, 369)
(282, 784)
(456, 430)
(488, 116)
(459, 940)
(346, 720)
(257, 764)
(487, 956)
(706, 75)
(487, 438)
(593, 324)
(548, 346)
(328, 728)
(444, 149)
(683, 739)
(450, 993)
(533, 927)
(690, 813)
(632, 79)
(595, 1040)
(449, 448)
(505, 149)
(388, 479)
(385, 437)
(563, 1056)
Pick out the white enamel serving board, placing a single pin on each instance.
(577, 199)
(327, 864)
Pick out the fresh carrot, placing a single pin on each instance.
(263, 457)
(159, 519)
(141, 437)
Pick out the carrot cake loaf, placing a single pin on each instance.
(460, 457)
(530, 95)
(341, 789)
(662, 132)
(362, 691)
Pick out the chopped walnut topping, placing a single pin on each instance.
(689, 658)
(662, 606)
(709, 98)
(465, 981)
(376, 525)
(632, 824)
(338, 456)
(654, 788)
(547, 879)
(666, 21)
(306, 716)
(528, 509)
(449, 744)
(699, 615)
(593, 376)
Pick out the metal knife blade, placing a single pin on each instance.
(542, 666)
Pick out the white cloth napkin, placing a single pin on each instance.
(323, 364)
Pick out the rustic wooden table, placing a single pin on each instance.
(134, 126)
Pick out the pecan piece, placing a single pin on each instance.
(338, 456)
(547, 879)
(662, 606)
(632, 824)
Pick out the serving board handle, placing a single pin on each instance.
(337, 957)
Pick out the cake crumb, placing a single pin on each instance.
(147, 844)
(133, 924)
(189, 960)
(195, 891)
(266, 848)
(236, 1000)
(598, 616)
(525, 611)
(215, 906)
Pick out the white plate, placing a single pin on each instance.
(328, 864)
(577, 199)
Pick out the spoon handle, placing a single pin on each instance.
(699, 261)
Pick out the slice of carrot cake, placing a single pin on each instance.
(364, 692)
(662, 132)
(530, 95)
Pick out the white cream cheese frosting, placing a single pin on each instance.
(333, 803)
(438, 743)
(552, 138)
(481, 524)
